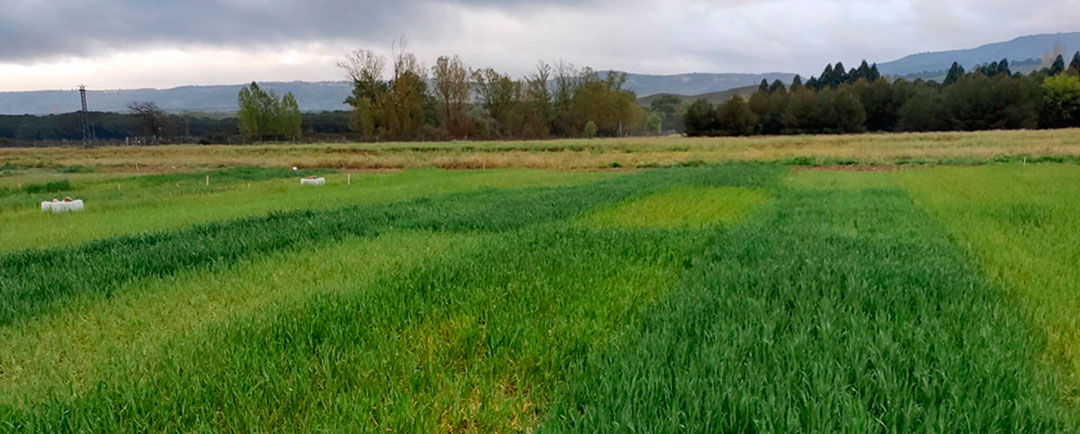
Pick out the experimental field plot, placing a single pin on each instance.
(740, 297)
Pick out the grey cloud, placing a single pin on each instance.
(34, 30)
(659, 36)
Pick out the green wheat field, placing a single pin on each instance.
(731, 297)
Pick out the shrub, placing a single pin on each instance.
(590, 130)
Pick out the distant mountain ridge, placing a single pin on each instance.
(697, 83)
(1019, 49)
(312, 96)
(712, 97)
(315, 96)
(330, 95)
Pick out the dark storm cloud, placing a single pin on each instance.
(32, 29)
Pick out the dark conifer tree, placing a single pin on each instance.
(955, 72)
(825, 79)
(1075, 64)
(813, 83)
(764, 86)
(1058, 66)
(862, 72)
(777, 86)
(988, 70)
(839, 75)
(797, 81)
(1003, 67)
(700, 119)
(874, 73)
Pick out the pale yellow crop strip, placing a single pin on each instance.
(1021, 224)
(682, 207)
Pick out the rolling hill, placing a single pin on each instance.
(711, 97)
(1016, 50)
(327, 96)
(312, 96)
(315, 96)
(645, 85)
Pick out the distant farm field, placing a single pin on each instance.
(913, 283)
(644, 152)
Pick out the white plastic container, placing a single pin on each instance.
(59, 207)
(309, 181)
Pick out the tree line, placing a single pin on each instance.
(403, 100)
(841, 101)
(150, 125)
(466, 103)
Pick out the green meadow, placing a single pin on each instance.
(737, 297)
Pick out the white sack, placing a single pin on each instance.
(59, 207)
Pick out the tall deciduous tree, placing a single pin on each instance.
(567, 83)
(395, 109)
(653, 122)
(1061, 102)
(500, 96)
(451, 79)
(289, 117)
(538, 103)
(667, 106)
(365, 70)
(604, 101)
(151, 117)
(263, 114)
(401, 112)
(255, 116)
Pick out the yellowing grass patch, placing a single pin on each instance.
(1021, 224)
(683, 207)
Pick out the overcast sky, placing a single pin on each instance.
(57, 44)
